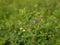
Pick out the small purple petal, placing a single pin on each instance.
(36, 21)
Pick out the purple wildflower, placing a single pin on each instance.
(36, 21)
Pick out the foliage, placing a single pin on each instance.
(29, 22)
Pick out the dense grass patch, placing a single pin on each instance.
(29, 22)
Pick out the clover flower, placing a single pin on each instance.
(23, 30)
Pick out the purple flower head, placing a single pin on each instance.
(36, 21)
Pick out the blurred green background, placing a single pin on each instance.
(29, 22)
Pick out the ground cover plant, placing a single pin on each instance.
(29, 22)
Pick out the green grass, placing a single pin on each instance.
(29, 22)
